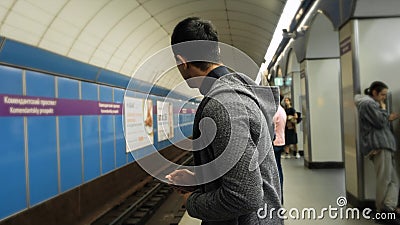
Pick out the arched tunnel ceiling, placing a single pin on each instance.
(120, 34)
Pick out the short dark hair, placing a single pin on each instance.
(193, 29)
(378, 86)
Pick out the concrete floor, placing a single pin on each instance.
(305, 188)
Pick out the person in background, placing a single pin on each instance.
(379, 145)
(279, 142)
(242, 137)
(290, 129)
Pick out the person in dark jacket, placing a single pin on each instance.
(379, 144)
(290, 129)
(235, 168)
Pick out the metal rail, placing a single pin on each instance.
(126, 214)
(143, 206)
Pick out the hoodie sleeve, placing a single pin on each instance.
(241, 190)
(375, 116)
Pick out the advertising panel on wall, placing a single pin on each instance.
(165, 121)
(138, 123)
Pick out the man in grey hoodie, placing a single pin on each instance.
(378, 143)
(235, 169)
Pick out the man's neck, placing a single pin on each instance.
(211, 68)
(199, 75)
(213, 73)
(203, 73)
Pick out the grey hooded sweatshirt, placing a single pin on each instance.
(239, 178)
(374, 125)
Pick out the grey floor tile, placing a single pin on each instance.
(306, 189)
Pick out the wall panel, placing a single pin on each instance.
(120, 145)
(90, 134)
(42, 143)
(70, 138)
(107, 133)
(12, 151)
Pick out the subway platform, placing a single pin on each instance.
(316, 189)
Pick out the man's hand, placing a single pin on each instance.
(185, 197)
(182, 177)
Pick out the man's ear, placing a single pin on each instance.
(181, 61)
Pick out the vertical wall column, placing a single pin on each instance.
(321, 77)
(368, 53)
(350, 85)
(304, 109)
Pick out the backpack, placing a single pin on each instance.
(299, 119)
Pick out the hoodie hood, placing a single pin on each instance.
(266, 97)
(361, 99)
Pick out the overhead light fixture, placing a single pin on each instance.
(299, 14)
(289, 12)
(287, 34)
(304, 28)
(287, 15)
(311, 12)
(295, 34)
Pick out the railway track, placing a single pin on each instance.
(138, 208)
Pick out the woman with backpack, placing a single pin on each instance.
(290, 129)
